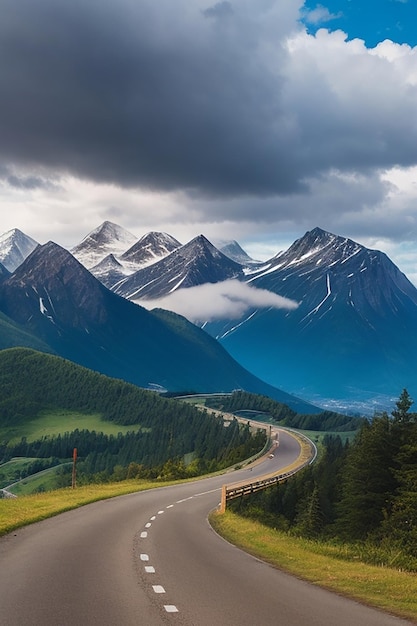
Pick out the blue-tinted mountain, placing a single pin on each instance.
(4, 272)
(56, 299)
(354, 333)
(234, 251)
(195, 263)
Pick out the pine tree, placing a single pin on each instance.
(369, 481)
(403, 404)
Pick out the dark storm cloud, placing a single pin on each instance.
(138, 93)
(27, 182)
(153, 93)
(221, 9)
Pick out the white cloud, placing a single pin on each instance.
(229, 299)
(319, 15)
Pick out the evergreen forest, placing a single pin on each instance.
(363, 494)
(168, 439)
(282, 414)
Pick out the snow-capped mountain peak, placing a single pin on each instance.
(15, 246)
(150, 248)
(108, 238)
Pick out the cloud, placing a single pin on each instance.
(155, 95)
(225, 118)
(144, 93)
(27, 182)
(229, 299)
(221, 9)
(319, 15)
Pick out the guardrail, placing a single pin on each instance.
(307, 456)
(7, 494)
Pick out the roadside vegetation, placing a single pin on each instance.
(254, 407)
(331, 566)
(356, 504)
(49, 406)
(348, 522)
(15, 513)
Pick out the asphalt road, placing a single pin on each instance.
(152, 559)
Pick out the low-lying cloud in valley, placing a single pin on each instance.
(229, 299)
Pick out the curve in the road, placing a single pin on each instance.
(152, 559)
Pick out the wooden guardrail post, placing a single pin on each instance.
(223, 500)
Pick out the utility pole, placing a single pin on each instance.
(74, 470)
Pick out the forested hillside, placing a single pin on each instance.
(32, 381)
(242, 400)
(363, 494)
(162, 429)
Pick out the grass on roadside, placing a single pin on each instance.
(382, 587)
(15, 513)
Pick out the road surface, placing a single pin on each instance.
(152, 559)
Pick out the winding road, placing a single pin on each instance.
(152, 559)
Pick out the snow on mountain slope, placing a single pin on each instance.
(322, 269)
(355, 328)
(147, 250)
(15, 246)
(108, 238)
(194, 263)
(150, 248)
(109, 271)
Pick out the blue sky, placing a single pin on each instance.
(254, 120)
(370, 20)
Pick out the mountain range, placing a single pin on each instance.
(352, 338)
(53, 301)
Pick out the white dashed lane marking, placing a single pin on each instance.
(149, 569)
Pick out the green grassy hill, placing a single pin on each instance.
(49, 406)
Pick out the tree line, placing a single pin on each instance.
(283, 414)
(163, 429)
(363, 493)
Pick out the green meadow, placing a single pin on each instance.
(58, 422)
